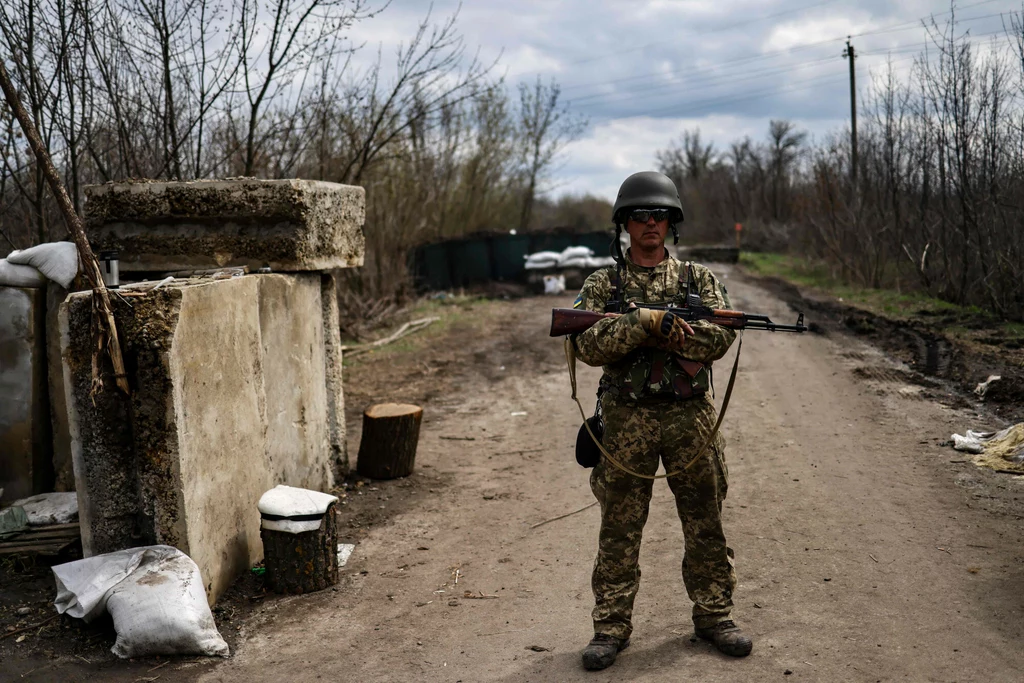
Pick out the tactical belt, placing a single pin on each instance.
(570, 360)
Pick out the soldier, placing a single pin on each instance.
(655, 400)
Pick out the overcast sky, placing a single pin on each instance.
(642, 71)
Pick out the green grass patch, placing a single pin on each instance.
(959, 321)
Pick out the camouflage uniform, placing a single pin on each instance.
(644, 419)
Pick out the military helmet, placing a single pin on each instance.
(647, 190)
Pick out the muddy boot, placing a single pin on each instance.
(728, 638)
(600, 652)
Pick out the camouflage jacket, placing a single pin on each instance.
(635, 367)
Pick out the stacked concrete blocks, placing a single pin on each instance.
(236, 387)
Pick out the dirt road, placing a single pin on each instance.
(866, 550)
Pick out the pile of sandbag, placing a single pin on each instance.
(570, 257)
(57, 261)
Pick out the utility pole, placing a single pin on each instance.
(848, 53)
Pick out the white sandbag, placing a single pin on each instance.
(50, 508)
(600, 262)
(12, 275)
(56, 260)
(154, 594)
(543, 256)
(161, 609)
(540, 265)
(570, 253)
(577, 262)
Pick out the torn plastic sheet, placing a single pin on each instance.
(999, 450)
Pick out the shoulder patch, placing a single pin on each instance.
(578, 302)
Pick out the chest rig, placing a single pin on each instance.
(649, 372)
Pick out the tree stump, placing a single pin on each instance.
(387, 449)
(302, 562)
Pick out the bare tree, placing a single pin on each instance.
(545, 127)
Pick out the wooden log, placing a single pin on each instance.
(304, 562)
(387, 449)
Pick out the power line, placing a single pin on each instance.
(690, 81)
(906, 25)
(794, 86)
(701, 105)
(917, 47)
(611, 98)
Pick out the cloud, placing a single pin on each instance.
(643, 71)
(805, 31)
(610, 151)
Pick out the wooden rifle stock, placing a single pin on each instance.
(570, 321)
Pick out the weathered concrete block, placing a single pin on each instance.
(26, 458)
(229, 399)
(291, 225)
(292, 336)
(64, 471)
(333, 358)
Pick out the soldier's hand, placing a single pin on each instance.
(665, 325)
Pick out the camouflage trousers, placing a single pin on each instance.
(637, 434)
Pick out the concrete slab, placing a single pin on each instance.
(290, 225)
(26, 456)
(230, 398)
(292, 334)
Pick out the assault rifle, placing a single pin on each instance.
(571, 321)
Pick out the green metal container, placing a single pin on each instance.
(508, 256)
(470, 261)
(433, 271)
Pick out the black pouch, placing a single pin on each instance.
(587, 452)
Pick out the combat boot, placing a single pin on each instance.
(728, 638)
(600, 653)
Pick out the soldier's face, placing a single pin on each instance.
(649, 235)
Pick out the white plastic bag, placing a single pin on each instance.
(1007, 444)
(293, 510)
(154, 594)
(12, 275)
(554, 284)
(56, 260)
(50, 508)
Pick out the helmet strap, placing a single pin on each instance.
(616, 246)
(675, 235)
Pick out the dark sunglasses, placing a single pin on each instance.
(643, 215)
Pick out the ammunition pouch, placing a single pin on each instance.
(587, 452)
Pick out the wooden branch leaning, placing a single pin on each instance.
(406, 329)
(104, 328)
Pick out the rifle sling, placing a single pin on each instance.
(570, 360)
